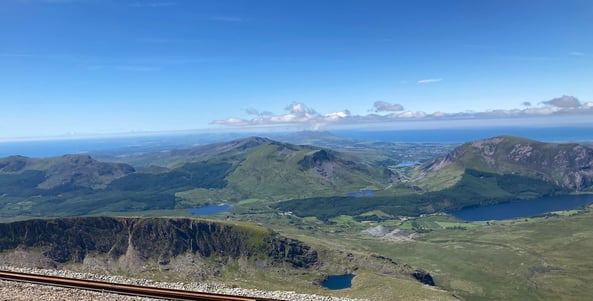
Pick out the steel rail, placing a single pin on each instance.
(124, 289)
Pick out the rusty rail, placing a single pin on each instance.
(124, 289)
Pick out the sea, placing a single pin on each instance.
(551, 134)
(118, 145)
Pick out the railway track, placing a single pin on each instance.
(125, 289)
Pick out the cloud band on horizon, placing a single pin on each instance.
(300, 114)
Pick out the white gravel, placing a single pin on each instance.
(10, 290)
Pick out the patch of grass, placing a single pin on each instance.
(407, 225)
(501, 262)
(439, 181)
(148, 213)
(344, 220)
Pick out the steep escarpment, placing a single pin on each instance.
(569, 166)
(152, 240)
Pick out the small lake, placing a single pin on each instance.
(210, 209)
(365, 192)
(408, 164)
(338, 282)
(526, 208)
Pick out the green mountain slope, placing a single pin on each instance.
(474, 174)
(223, 172)
(569, 166)
(73, 170)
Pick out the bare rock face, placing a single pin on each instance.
(320, 161)
(378, 231)
(423, 277)
(569, 166)
(133, 241)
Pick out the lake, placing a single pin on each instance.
(408, 164)
(210, 209)
(526, 208)
(364, 192)
(338, 282)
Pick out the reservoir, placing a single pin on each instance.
(338, 282)
(210, 209)
(525, 208)
(364, 192)
(408, 164)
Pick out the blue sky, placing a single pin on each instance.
(82, 67)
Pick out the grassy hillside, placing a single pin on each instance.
(223, 172)
(311, 181)
(539, 259)
(566, 165)
(475, 188)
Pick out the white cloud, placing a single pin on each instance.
(382, 106)
(298, 114)
(564, 102)
(429, 80)
(231, 121)
(337, 115)
(541, 111)
(576, 53)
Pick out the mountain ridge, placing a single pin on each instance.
(568, 165)
(230, 171)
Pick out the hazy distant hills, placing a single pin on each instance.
(67, 170)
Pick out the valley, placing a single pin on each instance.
(297, 213)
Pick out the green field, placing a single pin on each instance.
(543, 258)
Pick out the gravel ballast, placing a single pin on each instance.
(10, 290)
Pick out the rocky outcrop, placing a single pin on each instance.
(423, 277)
(316, 158)
(152, 240)
(569, 166)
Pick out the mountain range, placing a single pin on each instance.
(222, 172)
(475, 173)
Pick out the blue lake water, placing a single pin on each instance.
(365, 192)
(525, 208)
(210, 209)
(338, 282)
(408, 164)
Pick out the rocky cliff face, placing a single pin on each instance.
(566, 165)
(152, 240)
